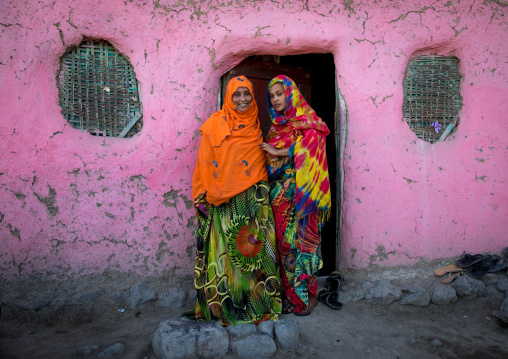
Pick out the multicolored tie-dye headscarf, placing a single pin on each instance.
(304, 133)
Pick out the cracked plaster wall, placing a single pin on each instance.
(72, 204)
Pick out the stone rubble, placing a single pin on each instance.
(142, 293)
(87, 350)
(504, 311)
(174, 297)
(180, 338)
(183, 338)
(34, 304)
(384, 293)
(254, 346)
(417, 296)
(287, 333)
(266, 328)
(349, 293)
(502, 284)
(90, 297)
(114, 349)
(468, 288)
(444, 294)
(242, 330)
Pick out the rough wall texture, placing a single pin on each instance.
(72, 204)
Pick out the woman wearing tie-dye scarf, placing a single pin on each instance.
(300, 190)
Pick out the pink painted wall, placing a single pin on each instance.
(72, 204)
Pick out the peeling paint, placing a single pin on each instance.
(49, 201)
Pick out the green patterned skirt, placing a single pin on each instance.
(236, 275)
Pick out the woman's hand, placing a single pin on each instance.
(272, 150)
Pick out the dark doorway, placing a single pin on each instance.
(315, 76)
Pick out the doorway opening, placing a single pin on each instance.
(315, 76)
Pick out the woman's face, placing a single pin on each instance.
(242, 98)
(278, 97)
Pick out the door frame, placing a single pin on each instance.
(341, 125)
(340, 130)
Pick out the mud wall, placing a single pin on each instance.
(72, 204)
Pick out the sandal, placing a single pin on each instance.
(501, 264)
(330, 299)
(452, 275)
(449, 267)
(479, 269)
(468, 260)
(333, 282)
(287, 307)
(305, 312)
(336, 274)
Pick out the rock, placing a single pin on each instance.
(287, 333)
(489, 278)
(193, 294)
(175, 297)
(383, 293)
(254, 346)
(502, 283)
(88, 350)
(176, 338)
(351, 295)
(444, 294)
(418, 296)
(58, 302)
(462, 286)
(468, 287)
(348, 286)
(141, 293)
(436, 343)
(90, 297)
(504, 311)
(302, 349)
(242, 330)
(115, 296)
(367, 285)
(114, 349)
(213, 340)
(491, 292)
(182, 338)
(266, 327)
(34, 304)
(40, 303)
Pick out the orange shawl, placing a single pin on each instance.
(229, 158)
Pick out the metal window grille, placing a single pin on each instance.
(98, 90)
(432, 98)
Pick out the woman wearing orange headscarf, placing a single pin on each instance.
(236, 275)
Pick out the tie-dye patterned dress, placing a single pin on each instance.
(300, 193)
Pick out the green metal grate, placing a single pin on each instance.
(98, 90)
(432, 99)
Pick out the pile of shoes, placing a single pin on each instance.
(476, 266)
(330, 295)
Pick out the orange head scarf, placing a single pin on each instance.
(229, 157)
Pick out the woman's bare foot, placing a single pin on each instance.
(312, 301)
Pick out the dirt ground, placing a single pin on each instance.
(360, 330)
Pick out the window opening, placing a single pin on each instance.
(98, 90)
(432, 98)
